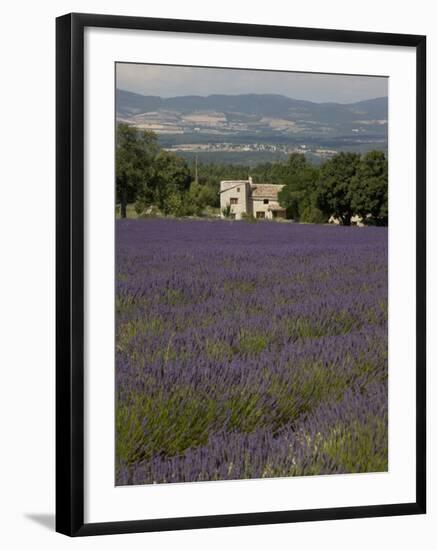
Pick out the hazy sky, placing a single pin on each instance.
(171, 81)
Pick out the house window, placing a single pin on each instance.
(238, 189)
(234, 200)
(266, 201)
(260, 214)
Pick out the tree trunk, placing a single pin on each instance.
(346, 219)
(123, 204)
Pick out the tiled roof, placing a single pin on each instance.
(275, 207)
(265, 190)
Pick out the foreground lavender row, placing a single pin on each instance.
(249, 350)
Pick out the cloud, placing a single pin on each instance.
(171, 80)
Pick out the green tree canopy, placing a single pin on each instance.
(342, 186)
(369, 188)
(300, 186)
(135, 154)
(171, 179)
(334, 189)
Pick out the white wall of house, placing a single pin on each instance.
(263, 208)
(239, 195)
(236, 194)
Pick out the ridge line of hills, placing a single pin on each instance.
(255, 128)
(130, 103)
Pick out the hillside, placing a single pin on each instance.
(266, 123)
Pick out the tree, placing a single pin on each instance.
(174, 204)
(171, 178)
(226, 211)
(369, 188)
(197, 198)
(300, 184)
(312, 214)
(296, 163)
(334, 190)
(135, 155)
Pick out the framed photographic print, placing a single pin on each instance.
(240, 274)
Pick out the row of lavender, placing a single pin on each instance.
(249, 350)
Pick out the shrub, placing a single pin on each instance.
(248, 217)
(139, 206)
(311, 214)
(226, 211)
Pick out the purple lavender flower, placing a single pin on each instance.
(249, 350)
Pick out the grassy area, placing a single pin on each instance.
(209, 212)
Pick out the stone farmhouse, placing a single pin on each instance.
(244, 197)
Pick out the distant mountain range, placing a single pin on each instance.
(129, 104)
(256, 122)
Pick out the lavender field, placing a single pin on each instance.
(249, 350)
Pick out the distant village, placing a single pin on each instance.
(194, 148)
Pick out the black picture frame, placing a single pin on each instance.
(70, 273)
